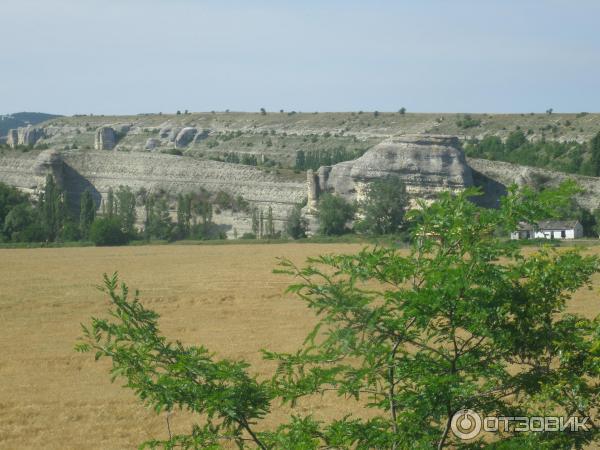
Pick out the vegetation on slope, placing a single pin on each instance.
(565, 156)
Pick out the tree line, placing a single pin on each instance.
(313, 159)
(570, 156)
(50, 218)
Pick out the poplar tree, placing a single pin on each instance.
(87, 212)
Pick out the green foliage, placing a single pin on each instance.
(158, 223)
(314, 159)
(53, 209)
(109, 206)
(10, 197)
(124, 209)
(296, 225)
(566, 156)
(467, 122)
(269, 225)
(334, 213)
(87, 213)
(107, 231)
(595, 155)
(184, 215)
(22, 224)
(384, 206)
(462, 321)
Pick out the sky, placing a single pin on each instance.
(142, 56)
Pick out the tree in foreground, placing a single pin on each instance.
(384, 206)
(462, 321)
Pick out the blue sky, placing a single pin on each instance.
(135, 56)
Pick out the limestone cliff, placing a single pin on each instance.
(100, 171)
(426, 164)
(26, 136)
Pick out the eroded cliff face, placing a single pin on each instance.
(99, 171)
(495, 176)
(426, 164)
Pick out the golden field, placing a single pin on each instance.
(224, 296)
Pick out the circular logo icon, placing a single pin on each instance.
(466, 424)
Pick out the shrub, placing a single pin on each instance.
(384, 206)
(468, 122)
(106, 231)
(334, 213)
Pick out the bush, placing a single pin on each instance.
(384, 206)
(468, 122)
(334, 213)
(296, 225)
(106, 231)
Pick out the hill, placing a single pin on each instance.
(332, 137)
(22, 119)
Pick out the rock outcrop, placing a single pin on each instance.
(151, 144)
(49, 162)
(106, 138)
(12, 139)
(100, 171)
(426, 164)
(27, 136)
(185, 136)
(495, 176)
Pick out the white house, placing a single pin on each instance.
(549, 229)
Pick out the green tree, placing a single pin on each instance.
(109, 206)
(255, 224)
(269, 224)
(334, 213)
(595, 155)
(515, 140)
(87, 213)
(296, 225)
(124, 209)
(22, 224)
(261, 224)
(107, 231)
(53, 209)
(184, 214)
(384, 206)
(596, 228)
(9, 198)
(462, 321)
(204, 209)
(300, 160)
(158, 220)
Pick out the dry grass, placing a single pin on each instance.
(222, 296)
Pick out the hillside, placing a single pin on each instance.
(276, 138)
(22, 119)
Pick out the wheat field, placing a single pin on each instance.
(225, 297)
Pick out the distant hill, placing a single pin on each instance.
(22, 119)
